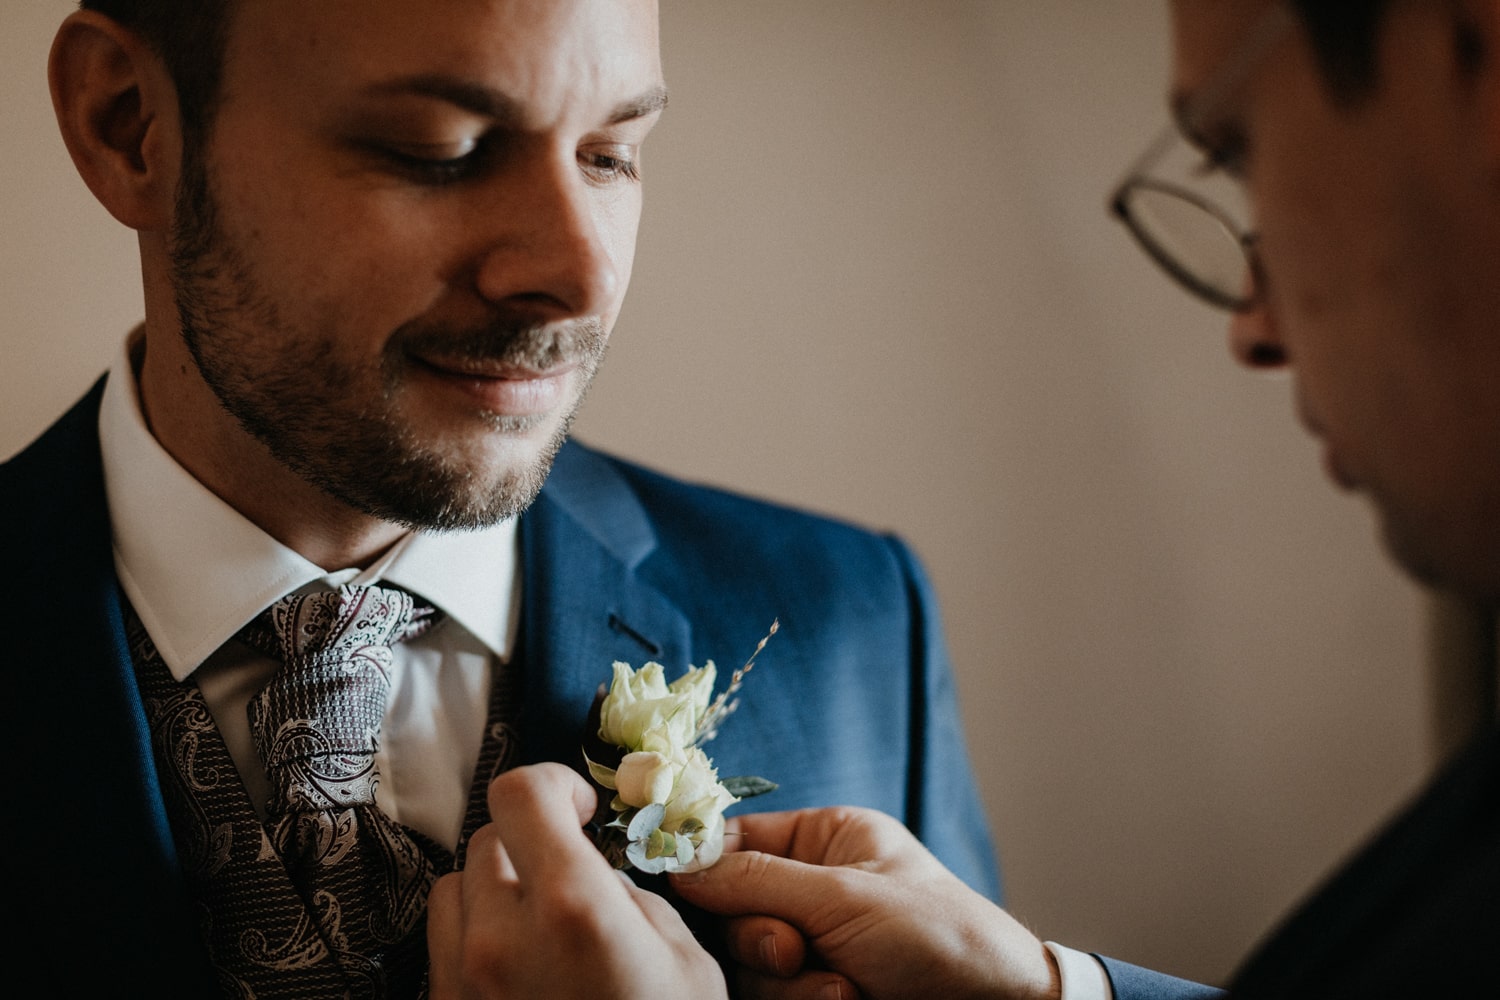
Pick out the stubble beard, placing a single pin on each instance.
(339, 426)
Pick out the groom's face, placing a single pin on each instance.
(400, 251)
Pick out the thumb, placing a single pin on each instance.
(744, 882)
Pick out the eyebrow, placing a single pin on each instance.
(503, 108)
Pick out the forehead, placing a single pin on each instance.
(552, 54)
(1206, 34)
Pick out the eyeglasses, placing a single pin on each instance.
(1189, 217)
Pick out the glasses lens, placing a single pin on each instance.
(1192, 239)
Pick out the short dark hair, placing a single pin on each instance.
(190, 36)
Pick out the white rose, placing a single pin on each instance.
(640, 702)
(698, 794)
(644, 777)
(698, 685)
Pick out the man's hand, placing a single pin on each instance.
(873, 905)
(538, 912)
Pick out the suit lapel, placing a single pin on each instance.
(75, 677)
(584, 603)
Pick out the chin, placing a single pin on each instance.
(1445, 566)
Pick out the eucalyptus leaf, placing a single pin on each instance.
(660, 844)
(636, 852)
(747, 787)
(645, 821)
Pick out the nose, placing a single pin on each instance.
(1255, 341)
(558, 251)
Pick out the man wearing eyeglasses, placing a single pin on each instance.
(1365, 137)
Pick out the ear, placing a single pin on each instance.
(117, 110)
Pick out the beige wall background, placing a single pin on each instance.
(876, 279)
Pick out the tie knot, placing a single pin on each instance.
(339, 622)
(316, 723)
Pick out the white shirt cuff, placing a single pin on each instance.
(1083, 977)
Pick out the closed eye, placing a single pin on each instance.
(437, 164)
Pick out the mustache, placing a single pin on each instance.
(529, 345)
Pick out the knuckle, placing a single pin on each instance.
(572, 914)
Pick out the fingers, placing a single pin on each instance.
(769, 832)
(663, 918)
(808, 986)
(752, 882)
(767, 945)
(837, 835)
(538, 813)
(486, 857)
(547, 786)
(445, 923)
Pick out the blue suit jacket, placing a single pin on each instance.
(1415, 914)
(851, 702)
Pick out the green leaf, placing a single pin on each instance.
(663, 844)
(747, 787)
(604, 775)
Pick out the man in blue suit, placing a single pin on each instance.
(1333, 179)
(383, 245)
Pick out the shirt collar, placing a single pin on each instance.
(196, 570)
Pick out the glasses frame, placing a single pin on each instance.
(1169, 262)
(1269, 29)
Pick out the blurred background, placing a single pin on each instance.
(876, 279)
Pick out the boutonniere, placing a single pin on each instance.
(669, 802)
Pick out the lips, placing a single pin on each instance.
(1332, 467)
(502, 370)
(501, 388)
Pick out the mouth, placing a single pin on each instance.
(1332, 467)
(1305, 417)
(500, 388)
(1335, 470)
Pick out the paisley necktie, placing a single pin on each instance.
(316, 726)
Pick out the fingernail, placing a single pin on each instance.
(768, 954)
(833, 991)
(689, 878)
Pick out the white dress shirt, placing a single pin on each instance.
(196, 571)
(1083, 978)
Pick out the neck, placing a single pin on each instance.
(186, 418)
